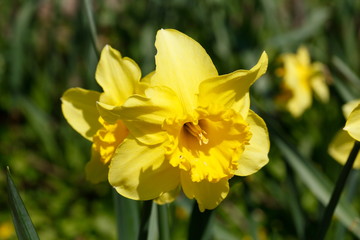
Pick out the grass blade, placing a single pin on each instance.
(199, 223)
(339, 187)
(23, 225)
(346, 71)
(318, 184)
(163, 220)
(127, 217)
(145, 220)
(91, 20)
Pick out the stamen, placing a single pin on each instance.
(197, 132)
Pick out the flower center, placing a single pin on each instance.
(190, 149)
(197, 132)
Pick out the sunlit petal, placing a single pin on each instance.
(352, 125)
(139, 172)
(349, 107)
(144, 115)
(117, 76)
(341, 146)
(255, 155)
(208, 195)
(181, 64)
(232, 90)
(79, 109)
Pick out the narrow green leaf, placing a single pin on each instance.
(91, 20)
(349, 196)
(339, 187)
(346, 71)
(23, 225)
(199, 223)
(294, 203)
(21, 29)
(314, 22)
(145, 220)
(346, 94)
(318, 184)
(127, 217)
(163, 221)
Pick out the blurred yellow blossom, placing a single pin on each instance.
(119, 78)
(190, 127)
(7, 230)
(344, 140)
(300, 78)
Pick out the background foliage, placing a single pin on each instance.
(45, 48)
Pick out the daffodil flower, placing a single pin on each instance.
(300, 78)
(190, 128)
(344, 140)
(119, 78)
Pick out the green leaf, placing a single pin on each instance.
(199, 227)
(22, 221)
(318, 184)
(315, 21)
(127, 217)
(163, 220)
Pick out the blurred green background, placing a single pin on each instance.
(46, 48)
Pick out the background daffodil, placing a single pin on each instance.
(118, 77)
(344, 140)
(300, 78)
(190, 128)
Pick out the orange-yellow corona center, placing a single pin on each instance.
(197, 132)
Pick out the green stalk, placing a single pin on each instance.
(163, 221)
(145, 220)
(127, 217)
(91, 20)
(199, 223)
(330, 208)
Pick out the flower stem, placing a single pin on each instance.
(93, 33)
(198, 223)
(145, 220)
(163, 221)
(330, 208)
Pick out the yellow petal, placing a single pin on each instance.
(117, 76)
(303, 56)
(318, 82)
(232, 90)
(79, 109)
(168, 197)
(352, 125)
(181, 64)
(139, 172)
(96, 171)
(349, 107)
(144, 115)
(208, 195)
(255, 155)
(340, 148)
(297, 82)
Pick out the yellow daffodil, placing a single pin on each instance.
(119, 78)
(344, 140)
(300, 78)
(190, 127)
